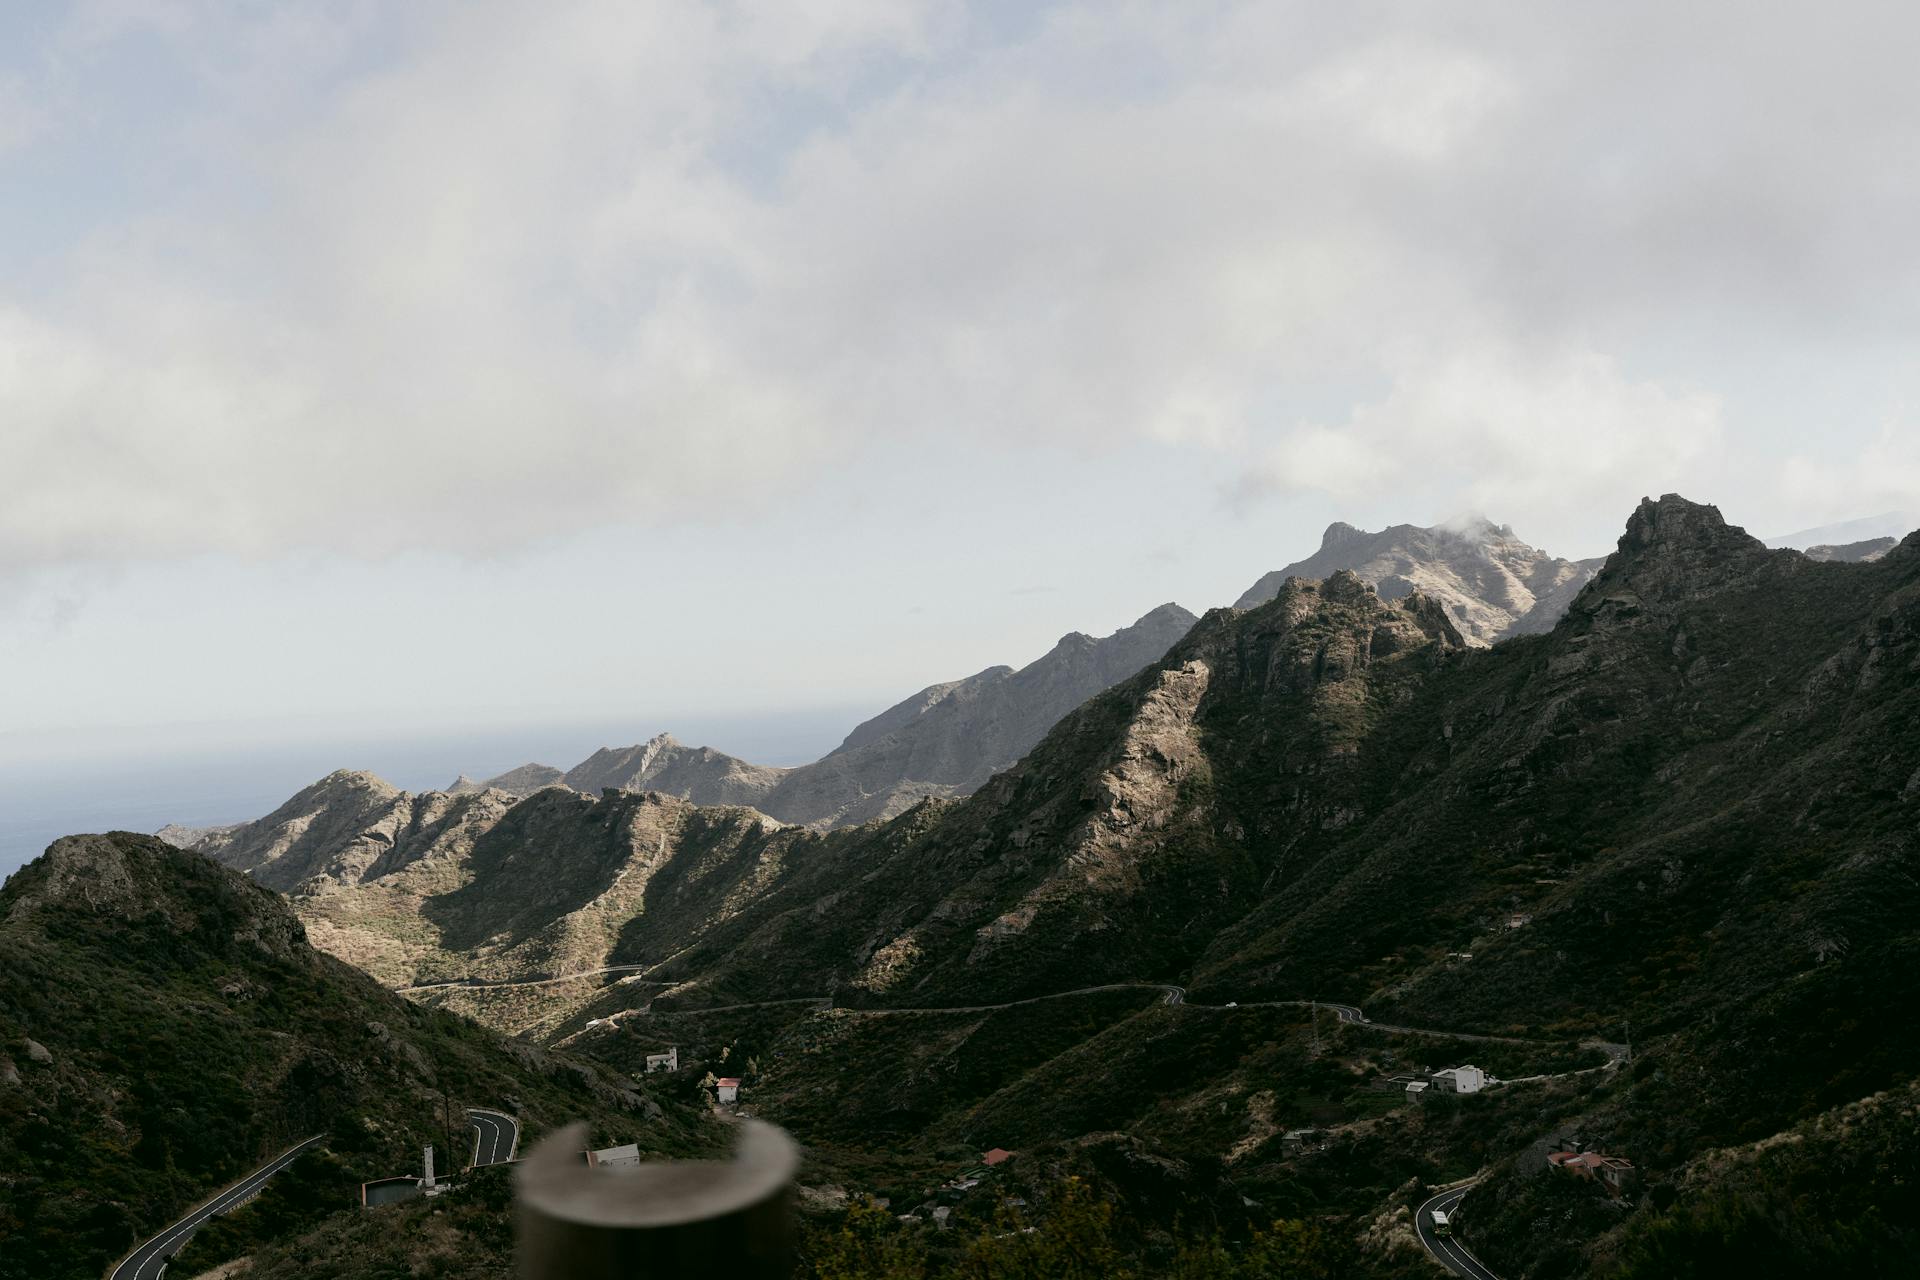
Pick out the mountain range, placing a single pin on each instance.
(1688, 806)
(1674, 832)
(945, 740)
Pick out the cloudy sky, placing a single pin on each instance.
(434, 365)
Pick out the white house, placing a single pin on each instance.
(626, 1157)
(668, 1061)
(1460, 1080)
(728, 1090)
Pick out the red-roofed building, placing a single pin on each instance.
(1611, 1172)
(728, 1090)
(995, 1156)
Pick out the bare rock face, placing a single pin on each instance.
(351, 826)
(1491, 584)
(37, 1052)
(88, 869)
(1674, 552)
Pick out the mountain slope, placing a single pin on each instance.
(946, 739)
(351, 826)
(164, 1027)
(949, 739)
(521, 781)
(1492, 584)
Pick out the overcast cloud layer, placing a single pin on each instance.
(470, 276)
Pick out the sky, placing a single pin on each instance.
(377, 373)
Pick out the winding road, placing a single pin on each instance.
(1448, 1250)
(496, 1137)
(483, 984)
(149, 1261)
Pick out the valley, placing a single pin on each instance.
(1138, 957)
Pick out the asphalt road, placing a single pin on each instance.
(496, 1137)
(483, 984)
(1448, 1251)
(149, 1261)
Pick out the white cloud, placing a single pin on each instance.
(1883, 475)
(21, 120)
(459, 279)
(1516, 432)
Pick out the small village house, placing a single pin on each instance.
(1468, 1079)
(626, 1157)
(995, 1156)
(727, 1090)
(667, 1061)
(1612, 1172)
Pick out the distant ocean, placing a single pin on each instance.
(41, 801)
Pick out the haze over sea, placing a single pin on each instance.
(91, 788)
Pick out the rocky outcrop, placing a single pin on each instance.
(1674, 552)
(1491, 583)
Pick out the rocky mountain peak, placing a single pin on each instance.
(345, 781)
(1491, 583)
(1338, 533)
(121, 874)
(1673, 551)
(1168, 614)
(1672, 525)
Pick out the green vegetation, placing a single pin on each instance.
(1079, 1236)
(182, 1032)
(1691, 808)
(466, 1234)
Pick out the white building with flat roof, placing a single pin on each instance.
(1460, 1080)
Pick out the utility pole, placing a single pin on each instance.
(1314, 1022)
(1628, 1024)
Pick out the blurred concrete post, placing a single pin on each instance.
(681, 1219)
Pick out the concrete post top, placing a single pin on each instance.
(553, 1181)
